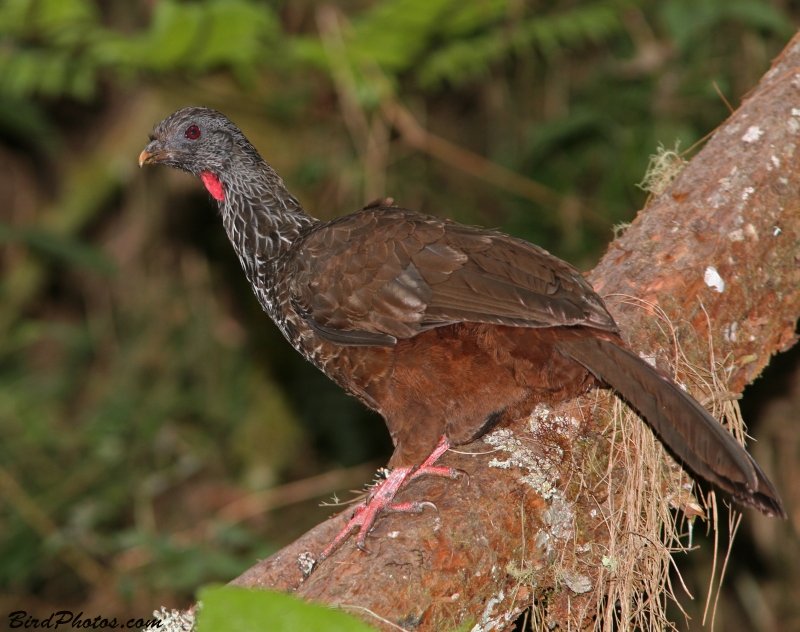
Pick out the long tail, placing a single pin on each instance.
(681, 423)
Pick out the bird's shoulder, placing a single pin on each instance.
(353, 272)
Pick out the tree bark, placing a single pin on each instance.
(705, 282)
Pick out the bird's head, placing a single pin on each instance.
(200, 141)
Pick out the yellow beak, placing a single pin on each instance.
(154, 152)
(145, 158)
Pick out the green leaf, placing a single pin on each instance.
(394, 33)
(762, 16)
(52, 73)
(83, 80)
(236, 31)
(174, 34)
(471, 17)
(55, 16)
(689, 20)
(239, 610)
(14, 15)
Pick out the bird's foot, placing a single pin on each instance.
(380, 499)
(447, 472)
(428, 467)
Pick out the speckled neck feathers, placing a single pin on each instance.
(262, 219)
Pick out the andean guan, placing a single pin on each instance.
(445, 330)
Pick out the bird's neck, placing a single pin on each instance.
(263, 220)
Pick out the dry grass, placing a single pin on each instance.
(663, 168)
(650, 508)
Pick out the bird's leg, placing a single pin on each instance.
(428, 467)
(380, 499)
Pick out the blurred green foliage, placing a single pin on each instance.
(58, 47)
(141, 388)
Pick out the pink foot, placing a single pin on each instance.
(380, 500)
(428, 466)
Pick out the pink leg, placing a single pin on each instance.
(380, 500)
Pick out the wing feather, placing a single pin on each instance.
(392, 273)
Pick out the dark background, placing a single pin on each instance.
(142, 390)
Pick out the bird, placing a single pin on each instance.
(446, 330)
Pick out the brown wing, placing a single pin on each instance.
(383, 274)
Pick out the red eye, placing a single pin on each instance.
(193, 132)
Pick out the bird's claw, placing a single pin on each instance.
(459, 473)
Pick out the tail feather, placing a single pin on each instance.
(682, 424)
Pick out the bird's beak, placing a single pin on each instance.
(145, 158)
(153, 153)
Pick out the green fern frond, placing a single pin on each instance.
(470, 58)
(688, 20)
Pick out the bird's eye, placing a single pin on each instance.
(193, 132)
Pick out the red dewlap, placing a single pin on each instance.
(213, 185)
